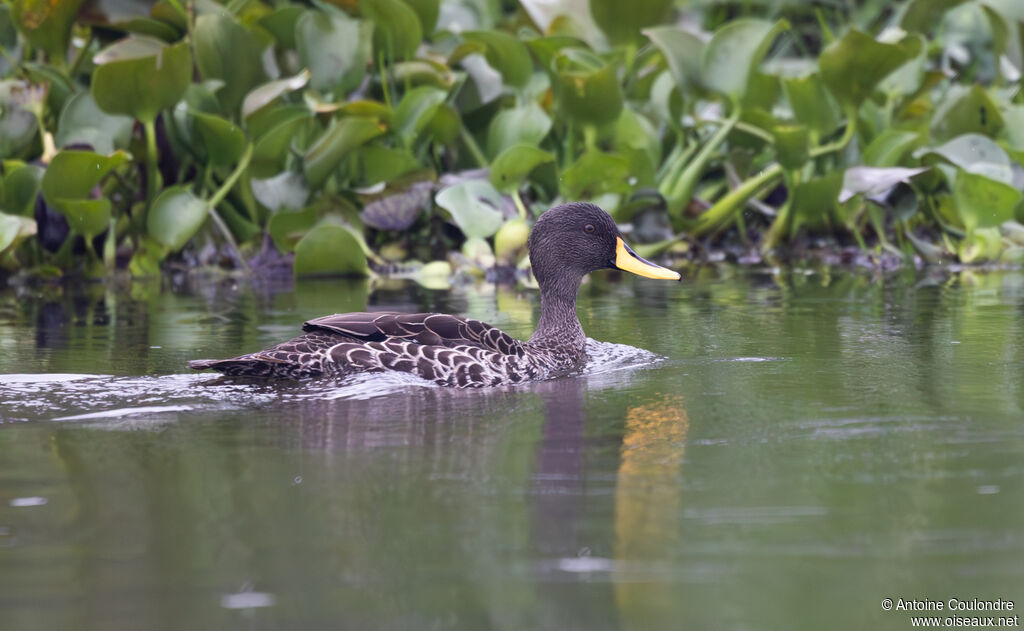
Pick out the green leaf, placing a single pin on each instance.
(792, 145)
(682, 51)
(966, 110)
(621, 22)
(326, 154)
(286, 229)
(20, 187)
(514, 164)
(475, 207)
(140, 76)
(853, 66)
(13, 229)
(73, 173)
(271, 152)
(595, 173)
(87, 217)
(527, 124)
(983, 244)
(814, 199)
(383, 164)
(735, 51)
(812, 104)
(226, 50)
(281, 22)
(222, 140)
(976, 154)
(889, 147)
(149, 27)
(176, 216)
(286, 190)
(263, 95)
(415, 111)
(427, 11)
(82, 121)
(396, 28)
(18, 126)
(983, 202)
(506, 54)
(46, 24)
(335, 48)
(587, 87)
(924, 15)
(329, 249)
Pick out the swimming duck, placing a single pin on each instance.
(567, 242)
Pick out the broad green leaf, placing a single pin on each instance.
(976, 154)
(226, 50)
(587, 87)
(335, 48)
(792, 145)
(18, 126)
(506, 54)
(415, 111)
(966, 110)
(735, 51)
(280, 23)
(475, 207)
(853, 66)
(46, 24)
(263, 95)
(814, 199)
(140, 76)
(889, 147)
(510, 241)
(329, 249)
(445, 125)
(20, 187)
(222, 140)
(396, 28)
(527, 124)
(545, 48)
(271, 152)
(326, 154)
(286, 229)
(595, 173)
(284, 191)
(924, 15)
(427, 11)
(176, 216)
(621, 22)
(812, 104)
(83, 122)
(59, 88)
(87, 217)
(382, 164)
(73, 174)
(266, 119)
(417, 72)
(514, 164)
(983, 202)
(982, 244)
(146, 258)
(13, 229)
(149, 27)
(634, 131)
(682, 51)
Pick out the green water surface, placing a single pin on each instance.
(806, 446)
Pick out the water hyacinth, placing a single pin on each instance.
(232, 127)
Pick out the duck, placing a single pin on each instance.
(567, 242)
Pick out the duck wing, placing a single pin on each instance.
(431, 329)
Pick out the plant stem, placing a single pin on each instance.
(153, 182)
(219, 196)
(851, 127)
(474, 148)
(735, 199)
(520, 206)
(384, 78)
(80, 57)
(681, 190)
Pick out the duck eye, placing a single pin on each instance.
(588, 228)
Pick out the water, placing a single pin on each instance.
(786, 452)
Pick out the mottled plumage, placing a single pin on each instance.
(567, 242)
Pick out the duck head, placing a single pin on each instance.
(574, 239)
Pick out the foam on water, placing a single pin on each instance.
(117, 400)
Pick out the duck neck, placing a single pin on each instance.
(558, 320)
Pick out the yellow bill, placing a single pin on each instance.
(629, 261)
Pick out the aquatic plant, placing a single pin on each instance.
(358, 135)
